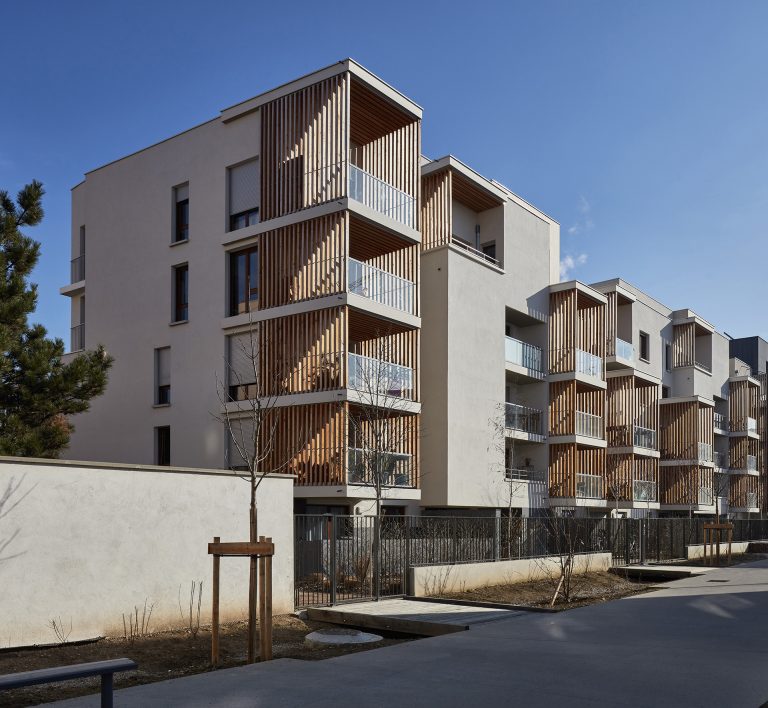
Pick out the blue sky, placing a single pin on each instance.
(642, 127)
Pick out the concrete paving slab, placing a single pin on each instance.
(695, 643)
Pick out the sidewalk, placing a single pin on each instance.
(698, 642)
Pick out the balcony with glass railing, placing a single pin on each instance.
(706, 497)
(589, 486)
(382, 287)
(381, 196)
(721, 422)
(77, 338)
(523, 419)
(588, 364)
(751, 463)
(377, 377)
(644, 490)
(721, 460)
(523, 354)
(77, 269)
(751, 499)
(705, 453)
(624, 350)
(374, 468)
(588, 425)
(645, 438)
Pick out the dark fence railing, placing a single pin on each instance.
(334, 554)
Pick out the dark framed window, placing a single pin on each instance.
(163, 376)
(668, 356)
(181, 232)
(645, 346)
(181, 293)
(244, 281)
(163, 445)
(164, 394)
(243, 219)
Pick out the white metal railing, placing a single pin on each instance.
(589, 364)
(751, 500)
(375, 376)
(461, 243)
(382, 287)
(589, 486)
(624, 349)
(721, 460)
(589, 425)
(392, 469)
(643, 490)
(705, 452)
(705, 496)
(527, 420)
(645, 437)
(751, 463)
(77, 269)
(523, 354)
(381, 196)
(721, 421)
(77, 338)
(702, 365)
(523, 474)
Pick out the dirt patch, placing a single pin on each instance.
(588, 589)
(163, 656)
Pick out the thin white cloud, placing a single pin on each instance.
(584, 222)
(569, 263)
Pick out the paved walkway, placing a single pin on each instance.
(702, 641)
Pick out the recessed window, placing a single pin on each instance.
(244, 281)
(163, 445)
(645, 346)
(181, 293)
(665, 391)
(668, 357)
(244, 195)
(181, 214)
(163, 376)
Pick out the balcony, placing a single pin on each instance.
(624, 350)
(77, 338)
(524, 474)
(382, 287)
(523, 354)
(705, 453)
(461, 243)
(589, 486)
(524, 419)
(703, 366)
(390, 469)
(645, 438)
(77, 269)
(721, 422)
(751, 500)
(588, 425)
(588, 364)
(376, 377)
(705, 496)
(381, 196)
(744, 425)
(644, 490)
(751, 463)
(721, 460)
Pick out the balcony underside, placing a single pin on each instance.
(642, 451)
(593, 381)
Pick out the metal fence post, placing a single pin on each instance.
(407, 569)
(332, 563)
(497, 536)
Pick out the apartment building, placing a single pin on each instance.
(271, 253)
(299, 250)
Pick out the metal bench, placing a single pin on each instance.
(105, 669)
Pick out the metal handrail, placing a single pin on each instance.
(721, 421)
(705, 496)
(380, 286)
(702, 365)
(381, 196)
(624, 349)
(373, 375)
(644, 490)
(645, 437)
(705, 452)
(393, 469)
(77, 338)
(589, 364)
(751, 463)
(589, 486)
(523, 354)
(77, 269)
(455, 240)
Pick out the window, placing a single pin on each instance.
(244, 281)
(668, 357)
(244, 197)
(162, 376)
(242, 357)
(645, 349)
(181, 215)
(163, 445)
(665, 391)
(181, 293)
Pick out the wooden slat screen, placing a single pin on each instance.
(436, 210)
(683, 344)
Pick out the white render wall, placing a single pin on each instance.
(90, 542)
(127, 208)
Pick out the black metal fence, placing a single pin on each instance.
(334, 558)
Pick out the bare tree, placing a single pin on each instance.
(721, 486)
(380, 429)
(565, 543)
(250, 412)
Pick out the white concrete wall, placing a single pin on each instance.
(431, 580)
(89, 542)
